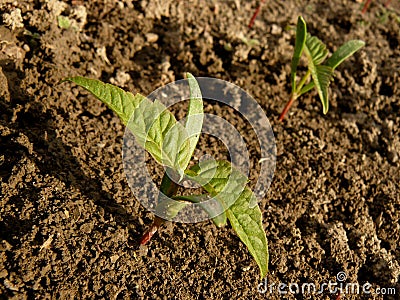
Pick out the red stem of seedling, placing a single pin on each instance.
(287, 106)
(148, 234)
(367, 3)
(253, 18)
(168, 188)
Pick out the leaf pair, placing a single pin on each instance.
(316, 54)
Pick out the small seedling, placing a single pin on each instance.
(321, 74)
(250, 42)
(172, 144)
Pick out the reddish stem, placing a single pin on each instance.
(367, 3)
(287, 106)
(387, 3)
(168, 188)
(148, 234)
(253, 18)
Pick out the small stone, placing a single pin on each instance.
(47, 243)
(122, 78)
(151, 37)
(275, 29)
(3, 273)
(114, 258)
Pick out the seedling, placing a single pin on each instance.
(321, 74)
(172, 144)
(250, 42)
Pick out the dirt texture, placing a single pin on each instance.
(69, 223)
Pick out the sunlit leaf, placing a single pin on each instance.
(153, 126)
(121, 102)
(315, 49)
(344, 52)
(247, 223)
(316, 53)
(307, 88)
(301, 33)
(215, 177)
(195, 116)
(223, 182)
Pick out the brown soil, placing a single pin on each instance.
(68, 220)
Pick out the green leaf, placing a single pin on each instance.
(315, 49)
(301, 33)
(322, 76)
(223, 182)
(169, 208)
(195, 116)
(157, 130)
(344, 52)
(306, 88)
(154, 127)
(247, 222)
(227, 184)
(121, 102)
(316, 53)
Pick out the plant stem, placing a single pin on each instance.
(287, 106)
(151, 230)
(302, 82)
(367, 3)
(294, 95)
(168, 188)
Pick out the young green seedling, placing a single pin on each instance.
(171, 144)
(321, 74)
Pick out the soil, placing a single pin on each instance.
(69, 222)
